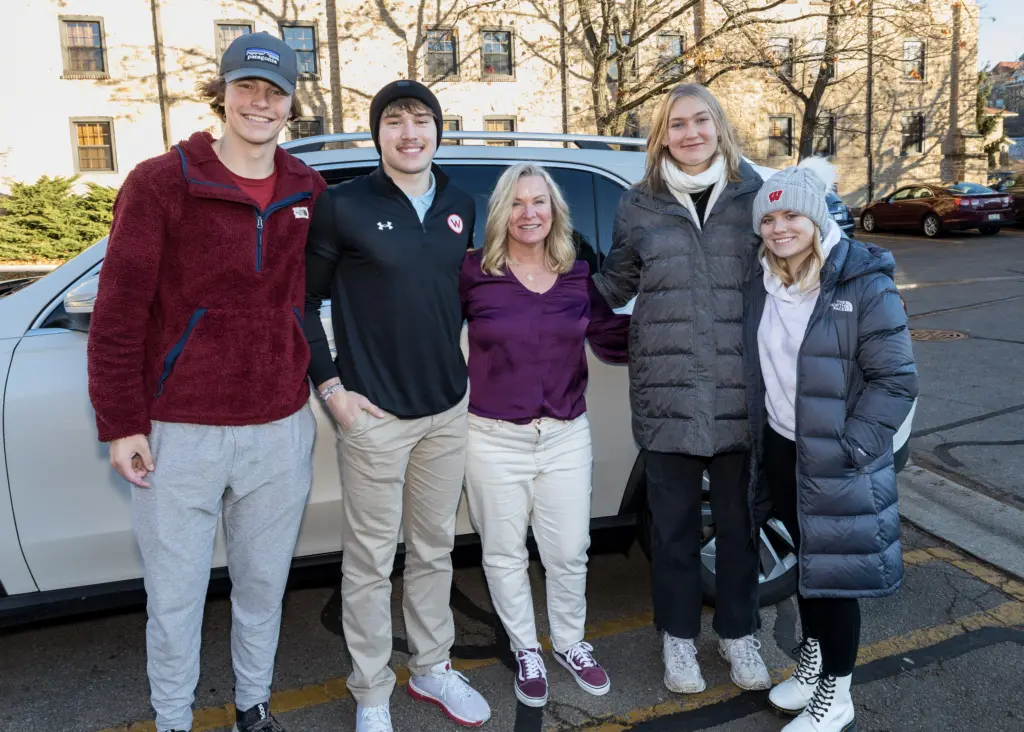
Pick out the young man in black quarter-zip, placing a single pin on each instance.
(388, 247)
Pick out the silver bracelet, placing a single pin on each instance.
(329, 392)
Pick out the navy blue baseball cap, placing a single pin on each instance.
(261, 56)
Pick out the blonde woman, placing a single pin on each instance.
(834, 378)
(530, 306)
(682, 246)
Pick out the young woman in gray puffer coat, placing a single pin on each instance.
(682, 245)
(832, 378)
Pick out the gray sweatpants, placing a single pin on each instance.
(260, 477)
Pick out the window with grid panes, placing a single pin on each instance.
(442, 61)
(306, 127)
(84, 39)
(913, 60)
(497, 50)
(913, 134)
(780, 136)
(613, 66)
(227, 32)
(825, 135)
(504, 124)
(94, 146)
(302, 40)
(450, 124)
(780, 51)
(670, 49)
(824, 66)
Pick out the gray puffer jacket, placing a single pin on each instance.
(856, 382)
(686, 376)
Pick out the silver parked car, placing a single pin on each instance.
(66, 541)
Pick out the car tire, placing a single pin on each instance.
(989, 230)
(931, 226)
(867, 222)
(775, 547)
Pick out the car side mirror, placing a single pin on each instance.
(81, 298)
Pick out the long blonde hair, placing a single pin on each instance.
(807, 275)
(559, 252)
(728, 145)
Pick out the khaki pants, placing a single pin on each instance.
(399, 474)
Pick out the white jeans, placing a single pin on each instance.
(536, 474)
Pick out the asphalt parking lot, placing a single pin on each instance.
(945, 653)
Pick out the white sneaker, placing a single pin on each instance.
(682, 672)
(373, 719)
(451, 691)
(748, 669)
(794, 694)
(830, 709)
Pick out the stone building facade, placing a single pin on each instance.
(111, 87)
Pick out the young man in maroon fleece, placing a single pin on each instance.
(197, 373)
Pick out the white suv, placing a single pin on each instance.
(66, 542)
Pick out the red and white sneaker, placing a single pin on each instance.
(451, 691)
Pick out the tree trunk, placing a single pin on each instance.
(812, 102)
(334, 58)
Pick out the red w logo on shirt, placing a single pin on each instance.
(774, 196)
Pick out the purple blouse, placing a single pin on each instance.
(526, 354)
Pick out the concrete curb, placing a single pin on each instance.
(990, 530)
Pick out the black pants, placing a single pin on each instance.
(835, 622)
(674, 496)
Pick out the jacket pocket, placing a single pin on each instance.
(172, 355)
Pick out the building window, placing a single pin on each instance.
(826, 67)
(302, 40)
(442, 54)
(228, 30)
(913, 134)
(780, 53)
(93, 143)
(306, 127)
(451, 124)
(825, 136)
(670, 53)
(913, 60)
(613, 66)
(780, 137)
(497, 50)
(500, 124)
(85, 55)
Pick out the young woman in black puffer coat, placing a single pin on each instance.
(831, 378)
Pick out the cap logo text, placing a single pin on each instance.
(262, 55)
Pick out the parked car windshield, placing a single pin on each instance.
(969, 188)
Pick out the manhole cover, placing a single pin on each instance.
(936, 335)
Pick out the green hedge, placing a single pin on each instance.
(47, 221)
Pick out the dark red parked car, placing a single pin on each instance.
(934, 209)
(1013, 186)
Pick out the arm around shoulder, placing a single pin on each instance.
(619, 278)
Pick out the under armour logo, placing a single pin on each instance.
(384, 225)
(842, 306)
(774, 196)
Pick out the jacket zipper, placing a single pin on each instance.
(262, 216)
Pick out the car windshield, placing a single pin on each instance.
(969, 188)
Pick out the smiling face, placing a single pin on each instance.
(691, 138)
(530, 222)
(408, 137)
(788, 235)
(255, 110)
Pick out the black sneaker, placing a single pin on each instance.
(257, 719)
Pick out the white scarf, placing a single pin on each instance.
(682, 184)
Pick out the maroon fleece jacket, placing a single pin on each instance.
(198, 315)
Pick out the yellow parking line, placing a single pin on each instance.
(290, 700)
(1008, 614)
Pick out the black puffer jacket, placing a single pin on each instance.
(686, 377)
(856, 383)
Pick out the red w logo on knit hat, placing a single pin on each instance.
(774, 196)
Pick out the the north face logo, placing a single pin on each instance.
(774, 196)
(842, 306)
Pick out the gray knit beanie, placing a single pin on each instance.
(801, 189)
